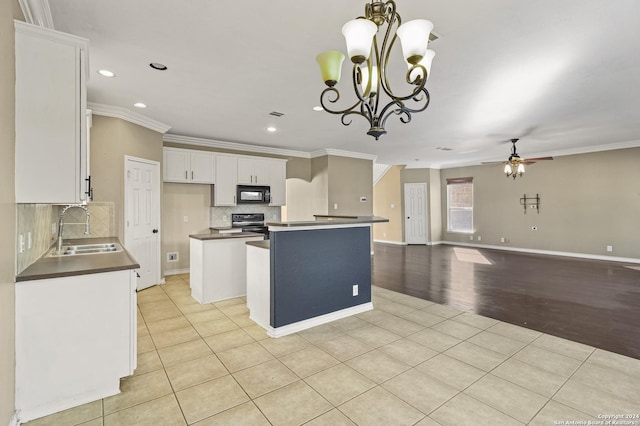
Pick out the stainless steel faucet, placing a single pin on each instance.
(61, 222)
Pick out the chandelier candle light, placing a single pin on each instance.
(370, 61)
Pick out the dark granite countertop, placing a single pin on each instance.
(332, 220)
(260, 244)
(66, 266)
(214, 234)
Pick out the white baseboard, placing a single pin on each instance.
(398, 243)
(177, 271)
(547, 252)
(322, 319)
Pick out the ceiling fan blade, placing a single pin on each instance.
(539, 159)
(528, 162)
(493, 162)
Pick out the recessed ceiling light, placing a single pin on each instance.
(140, 105)
(107, 73)
(158, 66)
(317, 108)
(271, 129)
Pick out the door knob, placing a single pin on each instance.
(155, 231)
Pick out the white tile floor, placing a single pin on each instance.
(409, 361)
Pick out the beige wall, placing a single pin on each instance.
(111, 140)
(180, 200)
(588, 201)
(8, 11)
(334, 180)
(319, 187)
(349, 179)
(385, 194)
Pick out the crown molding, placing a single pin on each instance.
(189, 140)
(127, 115)
(37, 12)
(340, 153)
(558, 153)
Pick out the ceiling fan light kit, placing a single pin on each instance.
(370, 64)
(514, 166)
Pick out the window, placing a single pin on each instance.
(460, 205)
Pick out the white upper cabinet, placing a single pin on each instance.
(188, 166)
(253, 171)
(226, 171)
(224, 191)
(277, 182)
(51, 123)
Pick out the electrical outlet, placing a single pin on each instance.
(355, 289)
(479, 238)
(609, 248)
(335, 206)
(172, 257)
(21, 243)
(224, 217)
(186, 219)
(534, 228)
(393, 206)
(503, 240)
(470, 237)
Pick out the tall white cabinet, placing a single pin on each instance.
(51, 125)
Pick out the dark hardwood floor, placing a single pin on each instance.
(587, 301)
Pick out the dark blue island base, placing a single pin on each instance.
(309, 275)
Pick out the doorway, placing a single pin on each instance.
(415, 213)
(142, 217)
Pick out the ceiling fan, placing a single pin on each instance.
(514, 166)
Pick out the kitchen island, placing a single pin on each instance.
(217, 264)
(310, 273)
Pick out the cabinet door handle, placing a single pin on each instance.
(186, 175)
(191, 174)
(155, 231)
(89, 190)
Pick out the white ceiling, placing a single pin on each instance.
(562, 75)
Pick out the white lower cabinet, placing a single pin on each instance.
(75, 339)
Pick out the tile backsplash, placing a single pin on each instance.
(102, 221)
(218, 214)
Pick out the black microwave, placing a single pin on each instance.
(253, 194)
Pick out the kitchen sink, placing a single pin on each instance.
(78, 249)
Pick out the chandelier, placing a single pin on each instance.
(370, 61)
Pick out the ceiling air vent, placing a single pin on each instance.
(276, 113)
(441, 148)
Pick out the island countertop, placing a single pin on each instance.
(331, 221)
(65, 266)
(214, 234)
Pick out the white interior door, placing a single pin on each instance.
(415, 213)
(142, 217)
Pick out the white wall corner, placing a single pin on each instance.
(379, 170)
